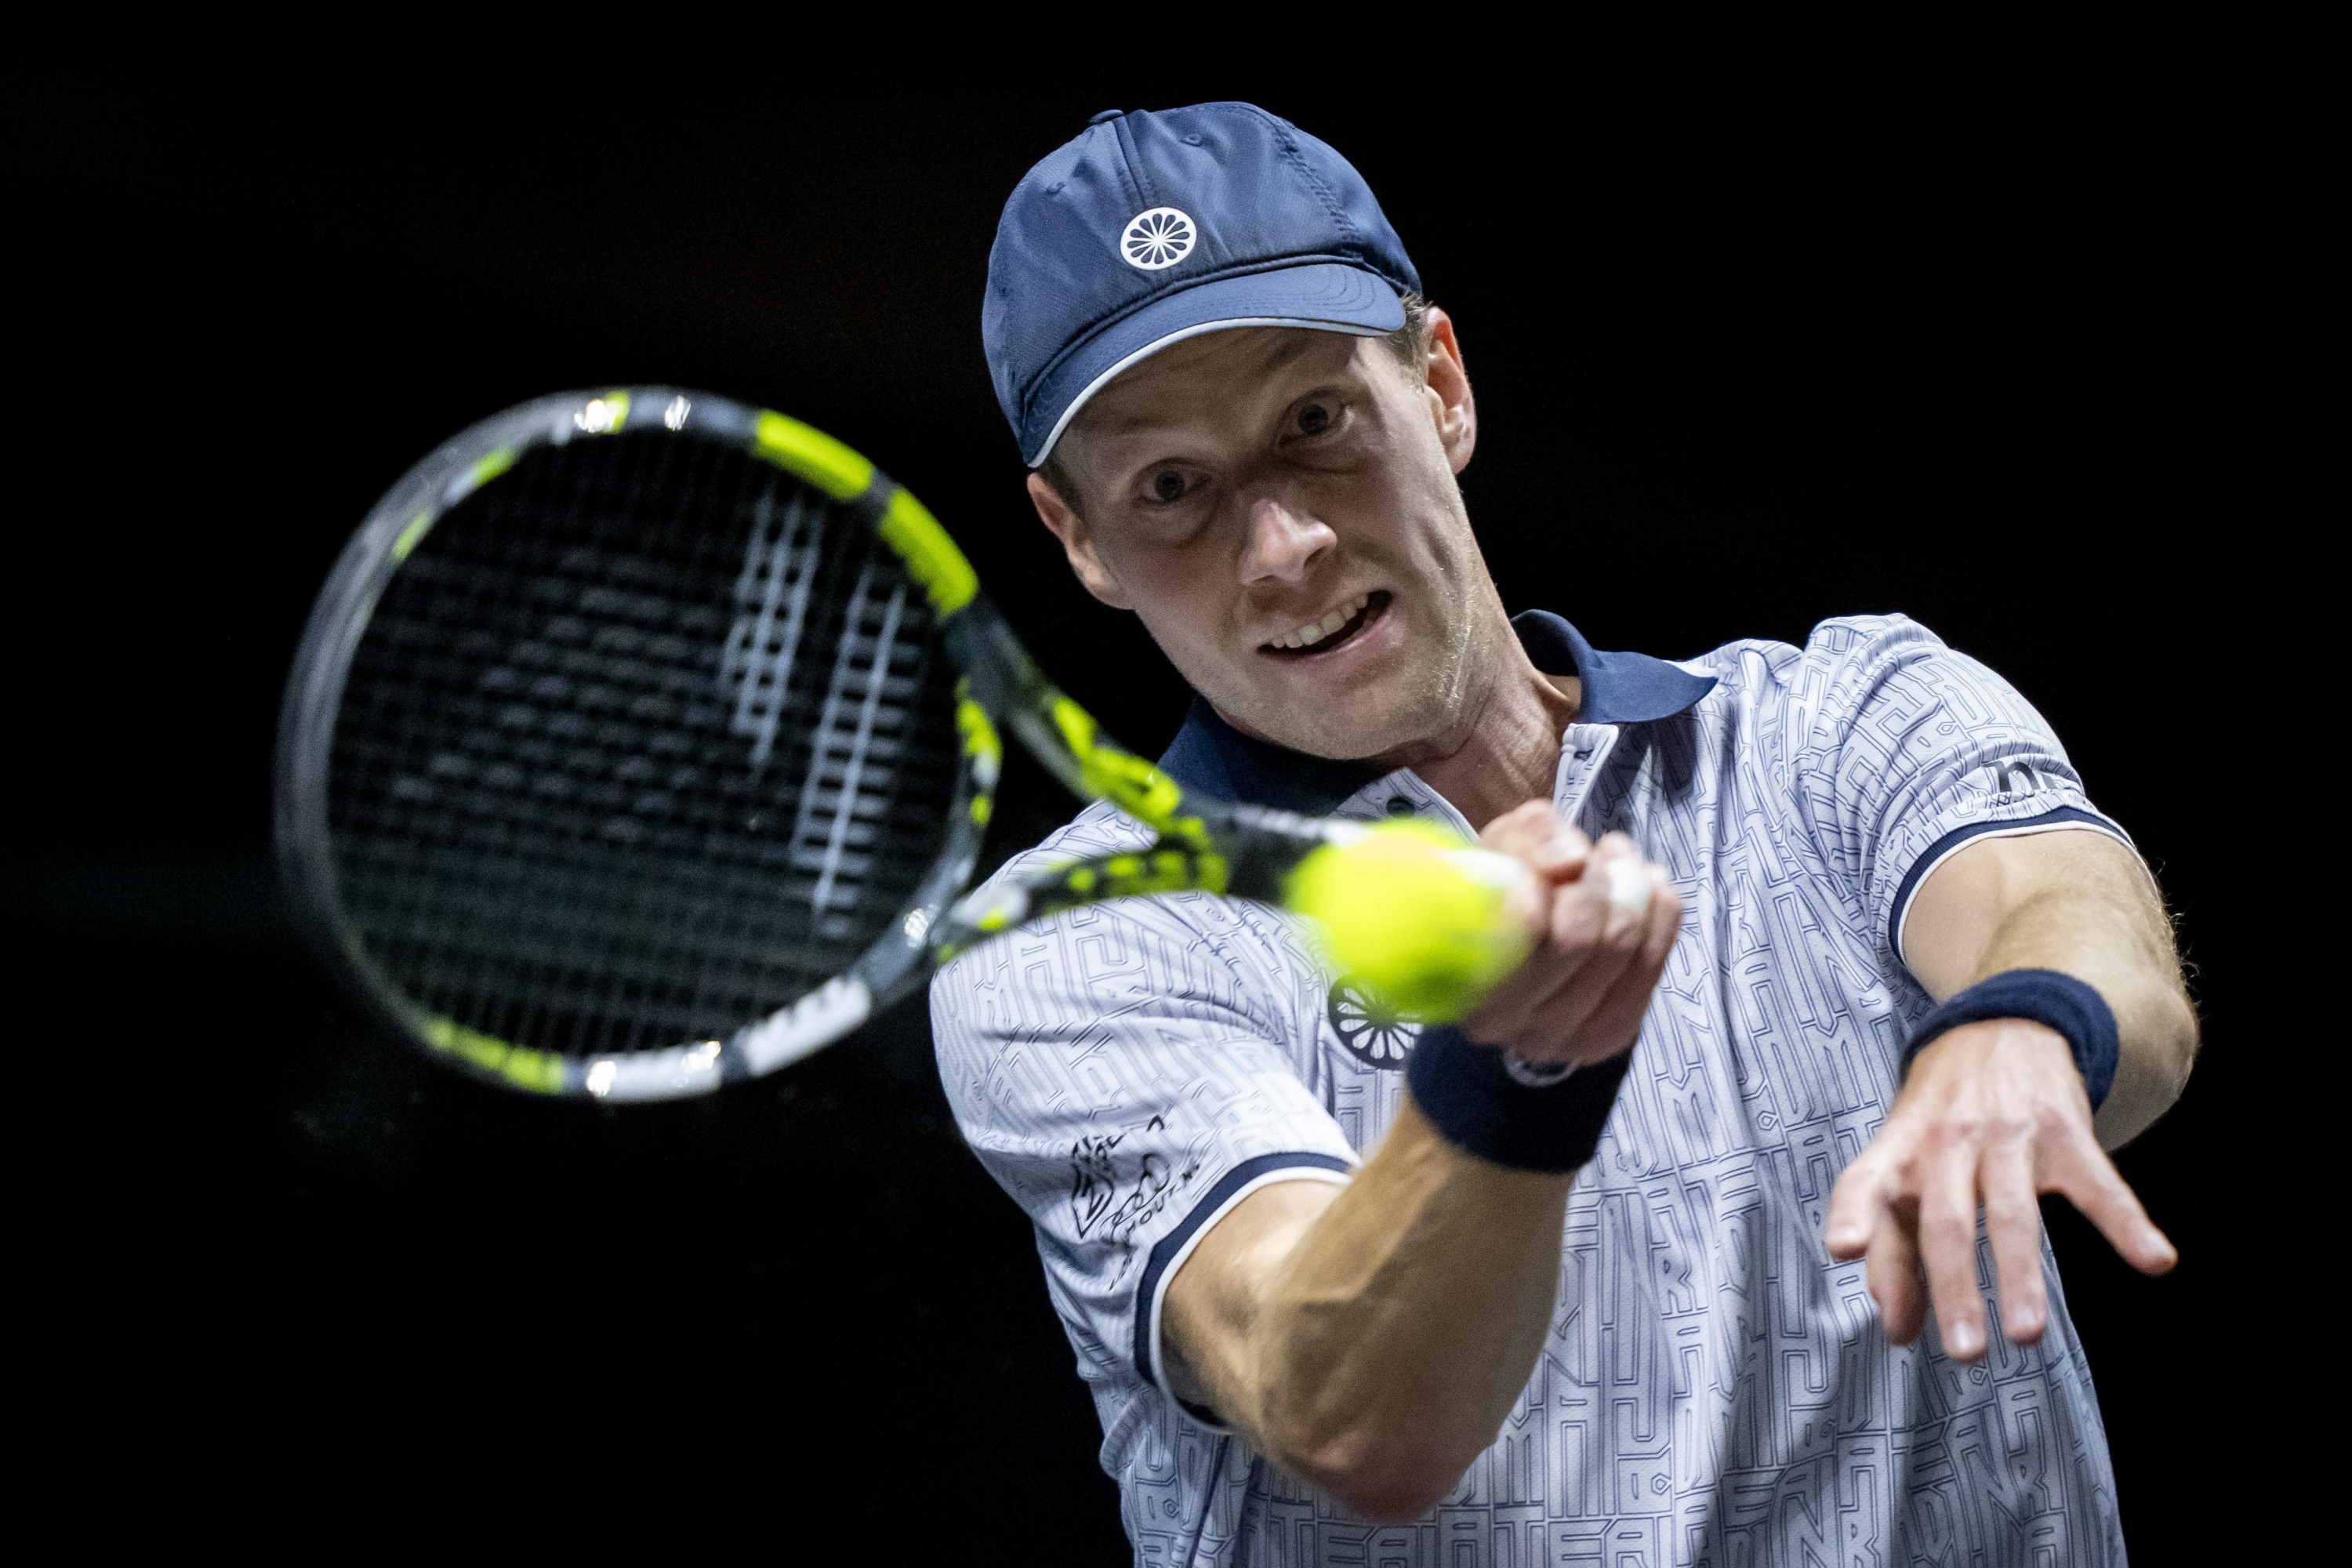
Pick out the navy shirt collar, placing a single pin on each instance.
(1619, 688)
(1212, 756)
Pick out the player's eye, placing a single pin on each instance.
(1316, 417)
(1167, 486)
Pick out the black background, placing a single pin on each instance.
(1746, 356)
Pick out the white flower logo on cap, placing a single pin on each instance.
(1160, 237)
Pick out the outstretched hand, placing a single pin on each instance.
(1993, 1113)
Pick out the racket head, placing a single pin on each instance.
(624, 755)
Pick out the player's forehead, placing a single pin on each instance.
(1216, 377)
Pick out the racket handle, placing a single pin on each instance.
(1167, 867)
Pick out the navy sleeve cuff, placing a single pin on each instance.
(1169, 1255)
(1968, 832)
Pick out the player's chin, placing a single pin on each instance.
(1365, 717)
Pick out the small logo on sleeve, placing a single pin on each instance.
(1157, 238)
(2014, 778)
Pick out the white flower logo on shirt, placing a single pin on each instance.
(1373, 1032)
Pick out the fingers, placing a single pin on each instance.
(1605, 921)
(1665, 924)
(1862, 1195)
(1622, 886)
(2076, 1166)
(1532, 832)
(1562, 855)
(2013, 1225)
(1948, 1243)
(1617, 1019)
(1893, 1273)
(1527, 820)
(1869, 1219)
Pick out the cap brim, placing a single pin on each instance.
(1323, 296)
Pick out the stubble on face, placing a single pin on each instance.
(1417, 710)
(1380, 497)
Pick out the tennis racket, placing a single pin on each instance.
(642, 742)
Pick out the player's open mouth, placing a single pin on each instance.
(1336, 630)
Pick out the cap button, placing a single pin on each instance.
(1105, 114)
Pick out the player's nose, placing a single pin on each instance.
(1282, 544)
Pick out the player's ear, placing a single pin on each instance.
(1077, 543)
(1446, 386)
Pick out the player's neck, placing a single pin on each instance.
(1508, 750)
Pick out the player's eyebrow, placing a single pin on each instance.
(1130, 423)
(1279, 365)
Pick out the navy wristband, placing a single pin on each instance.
(1473, 1098)
(2045, 996)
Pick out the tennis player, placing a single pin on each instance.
(1634, 1263)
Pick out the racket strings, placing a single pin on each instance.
(643, 740)
(829, 838)
(772, 599)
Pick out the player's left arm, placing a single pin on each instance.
(1996, 1112)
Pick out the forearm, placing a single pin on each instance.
(1401, 1323)
(1371, 1340)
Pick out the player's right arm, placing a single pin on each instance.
(1371, 1339)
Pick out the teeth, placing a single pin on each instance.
(1316, 631)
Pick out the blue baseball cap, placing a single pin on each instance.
(1153, 227)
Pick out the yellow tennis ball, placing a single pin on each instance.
(1408, 912)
